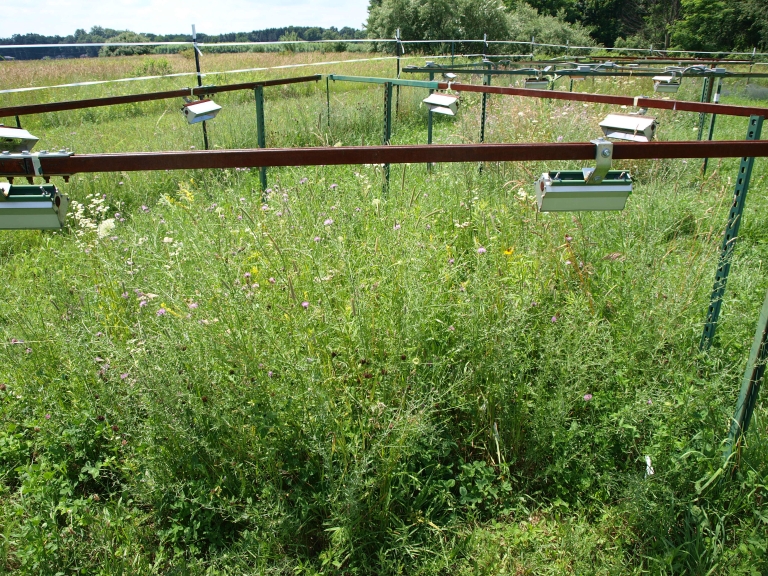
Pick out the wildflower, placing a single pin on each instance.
(124, 375)
(357, 209)
(28, 350)
(271, 280)
(317, 239)
(509, 251)
(567, 262)
(247, 275)
(167, 240)
(334, 208)
(105, 227)
(278, 214)
(481, 250)
(328, 222)
(161, 312)
(554, 318)
(120, 183)
(568, 237)
(334, 186)
(649, 401)
(587, 397)
(534, 304)
(451, 260)
(270, 374)
(192, 305)
(264, 208)
(396, 227)
(305, 304)
(239, 216)
(142, 303)
(144, 208)
(47, 416)
(451, 328)
(303, 180)
(559, 138)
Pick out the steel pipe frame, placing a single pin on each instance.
(199, 159)
(643, 72)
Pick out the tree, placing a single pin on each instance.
(126, 36)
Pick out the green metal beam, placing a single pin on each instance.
(430, 85)
(750, 385)
(261, 137)
(730, 236)
(712, 122)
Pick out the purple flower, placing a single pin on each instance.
(567, 262)
(144, 208)
(650, 401)
(334, 186)
(568, 237)
(278, 214)
(303, 180)
(397, 227)
(328, 222)
(239, 216)
(587, 397)
(451, 328)
(270, 373)
(192, 305)
(120, 183)
(317, 239)
(451, 260)
(305, 304)
(161, 312)
(554, 318)
(142, 303)
(47, 416)
(357, 209)
(264, 208)
(481, 250)
(124, 375)
(271, 280)
(559, 138)
(247, 275)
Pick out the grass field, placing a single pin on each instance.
(339, 379)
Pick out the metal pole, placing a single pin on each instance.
(429, 124)
(328, 100)
(712, 122)
(731, 234)
(398, 47)
(750, 384)
(486, 82)
(18, 122)
(261, 137)
(452, 51)
(387, 127)
(706, 97)
(196, 50)
(533, 46)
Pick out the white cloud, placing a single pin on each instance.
(63, 17)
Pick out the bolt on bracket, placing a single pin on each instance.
(603, 159)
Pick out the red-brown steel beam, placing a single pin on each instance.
(141, 161)
(679, 105)
(130, 98)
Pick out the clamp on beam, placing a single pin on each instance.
(603, 159)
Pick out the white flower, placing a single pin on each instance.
(105, 227)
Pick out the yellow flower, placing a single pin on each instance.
(509, 251)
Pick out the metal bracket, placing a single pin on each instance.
(34, 158)
(603, 159)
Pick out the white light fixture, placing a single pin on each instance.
(536, 83)
(596, 188)
(666, 84)
(16, 140)
(31, 207)
(200, 111)
(442, 104)
(632, 127)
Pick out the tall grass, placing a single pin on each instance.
(345, 379)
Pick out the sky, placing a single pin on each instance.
(63, 17)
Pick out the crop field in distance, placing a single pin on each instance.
(338, 378)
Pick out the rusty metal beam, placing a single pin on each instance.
(187, 160)
(128, 99)
(677, 105)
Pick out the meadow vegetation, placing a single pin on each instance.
(342, 378)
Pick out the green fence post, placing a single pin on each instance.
(706, 96)
(750, 384)
(486, 82)
(328, 100)
(387, 126)
(398, 47)
(261, 138)
(429, 123)
(196, 51)
(731, 234)
(712, 122)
